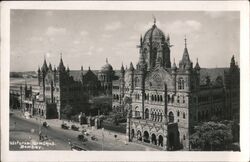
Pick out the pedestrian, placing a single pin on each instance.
(40, 135)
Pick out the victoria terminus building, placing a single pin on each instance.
(161, 102)
(165, 101)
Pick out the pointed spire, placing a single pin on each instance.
(232, 63)
(174, 65)
(131, 68)
(54, 68)
(45, 66)
(89, 68)
(81, 68)
(185, 62)
(61, 66)
(38, 69)
(154, 19)
(107, 60)
(185, 39)
(197, 66)
(122, 69)
(68, 68)
(141, 40)
(50, 67)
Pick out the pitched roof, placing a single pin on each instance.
(213, 73)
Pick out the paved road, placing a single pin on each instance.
(62, 137)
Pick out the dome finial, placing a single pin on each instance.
(185, 39)
(154, 19)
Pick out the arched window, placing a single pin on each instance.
(168, 98)
(155, 98)
(181, 83)
(152, 116)
(172, 100)
(183, 100)
(184, 115)
(146, 114)
(152, 98)
(137, 112)
(161, 98)
(159, 117)
(158, 98)
(171, 117)
(178, 113)
(178, 99)
(155, 116)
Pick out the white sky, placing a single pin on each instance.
(87, 38)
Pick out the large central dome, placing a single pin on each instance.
(154, 33)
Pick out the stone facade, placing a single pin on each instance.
(167, 101)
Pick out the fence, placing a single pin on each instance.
(121, 128)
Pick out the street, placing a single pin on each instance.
(27, 130)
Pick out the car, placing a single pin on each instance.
(27, 115)
(77, 148)
(75, 128)
(94, 138)
(45, 124)
(86, 133)
(64, 126)
(82, 138)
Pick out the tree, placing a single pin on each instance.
(66, 112)
(211, 136)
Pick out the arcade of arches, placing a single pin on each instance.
(147, 138)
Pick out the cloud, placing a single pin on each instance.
(48, 54)
(84, 33)
(90, 50)
(106, 36)
(113, 26)
(36, 38)
(134, 37)
(143, 27)
(182, 27)
(76, 42)
(55, 31)
(100, 49)
(214, 14)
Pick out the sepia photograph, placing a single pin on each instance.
(124, 80)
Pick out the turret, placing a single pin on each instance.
(39, 75)
(174, 67)
(44, 67)
(197, 66)
(131, 68)
(68, 69)
(122, 71)
(54, 69)
(50, 67)
(61, 67)
(232, 63)
(185, 63)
